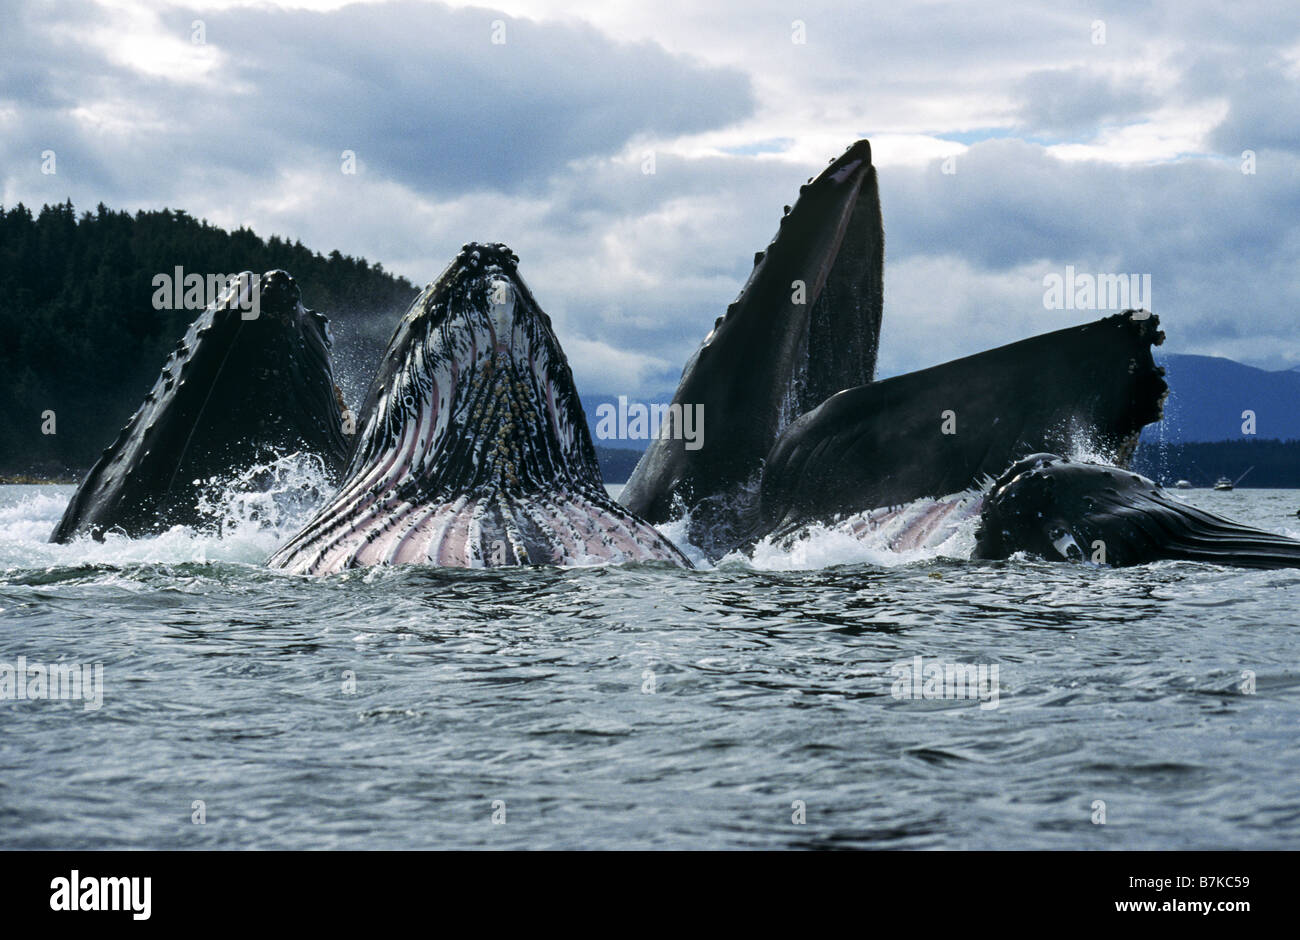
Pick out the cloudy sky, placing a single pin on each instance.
(1011, 139)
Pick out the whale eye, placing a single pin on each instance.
(1064, 543)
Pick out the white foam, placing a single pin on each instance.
(824, 546)
(821, 546)
(677, 531)
(250, 525)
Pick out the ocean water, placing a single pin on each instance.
(750, 705)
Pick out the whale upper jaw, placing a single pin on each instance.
(949, 427)
(805, 325)
(473, 447)
(247, 381)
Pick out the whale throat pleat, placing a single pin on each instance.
(474, 449)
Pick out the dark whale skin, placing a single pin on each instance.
(883, 444)
(770, 358)
(234, 392)
(1059, 509)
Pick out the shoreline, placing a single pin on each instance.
(26, 479)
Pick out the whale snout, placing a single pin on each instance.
(480, 292)
(477, 255)
(1058, 509)
(278, 293)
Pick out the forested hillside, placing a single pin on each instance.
(1271, 463)
(81, 337)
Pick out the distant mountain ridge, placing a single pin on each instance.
(1251, 462)
(1208, 395)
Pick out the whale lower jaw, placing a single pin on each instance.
(493, 527)
(922, 525)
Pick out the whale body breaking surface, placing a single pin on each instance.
(473, 449)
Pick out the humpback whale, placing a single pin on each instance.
(799, 432)
(1066, 510)
(805, 325)
(473, 449)
(235, 391)
(952, 427)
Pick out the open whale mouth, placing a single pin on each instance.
(805, 325)
(250, 380)
(473, 447)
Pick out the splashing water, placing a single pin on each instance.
(278, 495)
(252, 513)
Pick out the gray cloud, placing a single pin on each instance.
(1209, 235)
(425, 97)
(1066, 102)
(419, 92)
(1264, 112)
(1010, 202)
(461, 139)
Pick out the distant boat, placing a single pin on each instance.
(1183, 485)
(1226, 484)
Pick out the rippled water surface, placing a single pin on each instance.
(642, 706)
